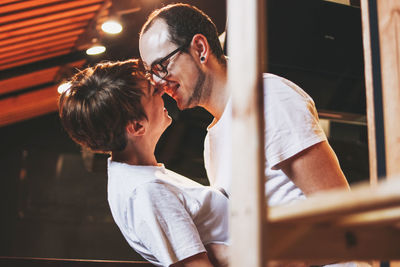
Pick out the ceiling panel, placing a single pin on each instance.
(28, 80)
(32, 32)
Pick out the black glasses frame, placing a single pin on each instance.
(159, 64)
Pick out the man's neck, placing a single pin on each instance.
(220, 93)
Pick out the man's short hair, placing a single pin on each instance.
(184, 21)
(100, 102)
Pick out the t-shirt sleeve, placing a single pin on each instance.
(291, 120)
(157, 215)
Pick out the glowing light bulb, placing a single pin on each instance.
(95, 50)
(112, 27)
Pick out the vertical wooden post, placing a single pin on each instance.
(245, 46)
(369, 86)
(381, 34)
(389, 36)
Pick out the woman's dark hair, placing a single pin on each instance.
(101, 101)
(184, 21)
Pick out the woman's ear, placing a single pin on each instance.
(136, 128)
(201, 47)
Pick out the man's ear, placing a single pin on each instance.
(201, 47)
(136, 128)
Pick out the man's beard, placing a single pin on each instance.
(201, 90)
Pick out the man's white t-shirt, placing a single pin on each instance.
(164, 216)
(291, 126)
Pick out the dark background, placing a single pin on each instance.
(54, 203)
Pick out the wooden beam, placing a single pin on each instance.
(389, 36)
(25, 5)
(57, 262)
(27, 106)
(47, 18)
(22, 55)
(331, 205)
(369, 86)
(47, 10)
(49, 32)
(245, 48)
(41, 41)
(34, 59)
(49, 25)
(323, 243)
(40, 47)
(385, 216)
(28, 80)
(34, 78)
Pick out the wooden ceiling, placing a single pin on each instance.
(43, 42)
(32, 32)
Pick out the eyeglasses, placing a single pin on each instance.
(158, 68)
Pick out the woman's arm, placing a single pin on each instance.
(198, 260)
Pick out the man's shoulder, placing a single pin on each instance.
(274, 84)
(267, 75)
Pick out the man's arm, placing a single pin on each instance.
(315, 169)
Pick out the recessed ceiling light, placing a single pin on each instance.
(96, 49)
(111, 26)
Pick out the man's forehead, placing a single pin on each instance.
(155, 42)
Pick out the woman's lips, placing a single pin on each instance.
(171, 89)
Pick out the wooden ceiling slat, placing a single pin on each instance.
(23, 62)
(49, 25)
(7, 2)
(52, 17)
(23, 56)
(47, 10)
(28, 80)
(40, 41)
(35, 78)
(41, 47)
(26, 5)
(52, 31)
(29, 105)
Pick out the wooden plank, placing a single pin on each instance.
(47, 10)
(40, 47)
(385, 216)
(35, 54)
(45, 26)
(372, 153)
(335, 203)
(47, 18)
(49, 32)
(343, 2)
(34, 78)
(41, 41)
(322, 243)
(28, 80)
(26, 5)
(34, 59)
(29, 105)
(7, 2)
(57, 262)
(247, 199)
(389, 36)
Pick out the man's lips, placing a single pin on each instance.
(171, 89)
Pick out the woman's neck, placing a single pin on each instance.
(135, 156)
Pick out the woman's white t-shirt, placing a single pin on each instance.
(164, 216)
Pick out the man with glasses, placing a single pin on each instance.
(181, 52)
